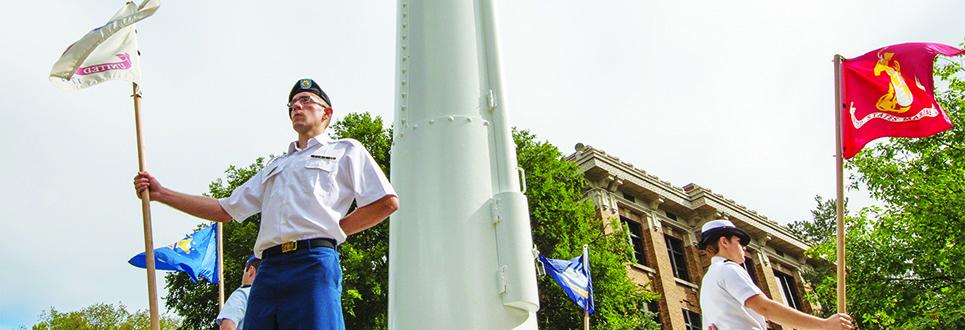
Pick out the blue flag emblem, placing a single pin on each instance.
(196, 255)
(574, 277)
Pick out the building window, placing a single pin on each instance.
(675, 248)
(671, 215)
(788, 290)
(629, 197)
(692, 320)
(749, 266)
(634, 230)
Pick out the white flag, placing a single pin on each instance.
(105, 53)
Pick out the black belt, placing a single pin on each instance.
(293, 246)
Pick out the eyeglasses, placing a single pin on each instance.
(303, 100)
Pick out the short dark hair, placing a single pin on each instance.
(253, 262)
(714, 245)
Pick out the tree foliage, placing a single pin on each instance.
(365, 256)
(905, 257)
(101, 316)
(823, 222)
(820, 231)
(562, 222)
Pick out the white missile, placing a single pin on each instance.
(460, 247)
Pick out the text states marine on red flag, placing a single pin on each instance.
(890, 92)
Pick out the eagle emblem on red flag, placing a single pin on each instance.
(890, 92)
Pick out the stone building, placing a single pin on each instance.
(663, 222)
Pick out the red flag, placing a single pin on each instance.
(890, 92)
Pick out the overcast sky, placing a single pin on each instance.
(735, 96)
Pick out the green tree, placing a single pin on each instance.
(365, 256)
(101, 316)
(822, 225)
(563, 221)
(905, 257)
(820, 231)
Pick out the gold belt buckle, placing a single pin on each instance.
(289, 246)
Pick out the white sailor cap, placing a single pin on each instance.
(713, 230)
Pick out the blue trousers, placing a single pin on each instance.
(297, 290)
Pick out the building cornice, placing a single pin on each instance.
(700, 200)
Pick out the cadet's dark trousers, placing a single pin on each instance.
(297, 290)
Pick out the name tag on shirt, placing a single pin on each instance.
(322, 162)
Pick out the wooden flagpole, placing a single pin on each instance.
(586, 320)
(146, 215)
(220, 265)
(839, 163)
(586, 312)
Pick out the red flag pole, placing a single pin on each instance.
(839, 163)
(146, 215)
(220, 266)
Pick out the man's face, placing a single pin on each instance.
(307, 111)
(731, 248)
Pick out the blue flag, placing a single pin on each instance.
(196, 255)
(574, 277)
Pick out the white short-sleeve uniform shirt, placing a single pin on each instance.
(304, 194)
(234, 308)
(723, 291)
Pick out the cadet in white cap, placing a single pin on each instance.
(728, 297)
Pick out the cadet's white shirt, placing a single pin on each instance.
(234, 308)
(305, 193)
(723, 291)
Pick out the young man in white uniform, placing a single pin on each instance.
(304, 198)
(728, 297)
